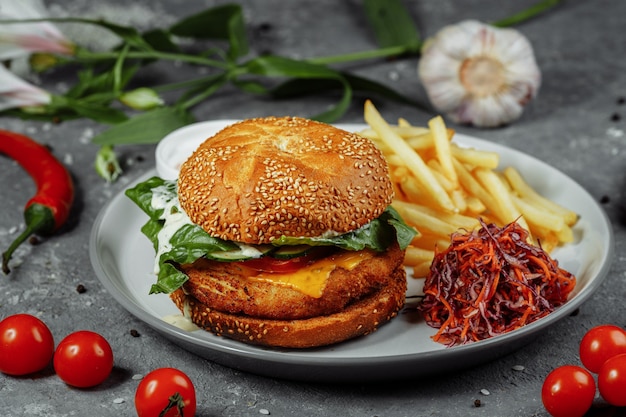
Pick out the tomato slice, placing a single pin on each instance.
(284, 266)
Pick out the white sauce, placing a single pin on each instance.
(182, 321)
(248, 251)
(173, 221)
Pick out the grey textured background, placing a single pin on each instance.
(580, 47)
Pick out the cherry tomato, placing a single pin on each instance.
(568, 391)
(163, 388)
(83, 359)
(601, 343)
(26, 345)
(612, 380)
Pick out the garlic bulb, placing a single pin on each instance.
(479, 74)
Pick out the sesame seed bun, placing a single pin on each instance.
(263, 178)
(360, 318)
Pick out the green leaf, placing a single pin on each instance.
(191, 242)
(299, 87)
(339, 109)
(161, 41)
(222, 22)
(169, 279)
(151, 230)
(144, 128)
(277, 66)
(404, 232)
(90, 83)
(129, 34)
(376, 235)
(527, 14)
(392, 23)
(141, 195)
(97, 111)
(201, 91)
(251, 86)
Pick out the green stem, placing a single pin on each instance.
(391, 51)
(86, 56)
(217, 83)
(526, 14)
(39, 219)
(183, 84)
(6, 256)
(362, 55)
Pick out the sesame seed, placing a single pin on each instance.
(291, 180)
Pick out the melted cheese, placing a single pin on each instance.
(311, 280)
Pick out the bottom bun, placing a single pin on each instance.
(359, 318)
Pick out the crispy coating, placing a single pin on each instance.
(224, 287)
(359, 318)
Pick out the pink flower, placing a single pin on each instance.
(20, 39)
(15, 92)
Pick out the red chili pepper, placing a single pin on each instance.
(50, 207)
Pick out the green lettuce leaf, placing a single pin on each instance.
(378, 235)
(191, 242)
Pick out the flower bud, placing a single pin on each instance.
(40, 62)
(21, 39)
(106, 164)
(141, 99)
(17, 93)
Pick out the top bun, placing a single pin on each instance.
(260, 179)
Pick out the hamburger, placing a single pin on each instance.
(279, 232)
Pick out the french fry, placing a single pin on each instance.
(459, 200)
(459, 221)
(474, 205)
(425, 221)
(472, 185)
(442, 188)
(404, 131)
(526, 191)
(537, 216)
(474, 157)
(413, 161)
(442, 149)
(422, 269)
(504, 207)
(440, 176)
(415, 256)
(421, 142)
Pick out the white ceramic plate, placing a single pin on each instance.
(123, 260)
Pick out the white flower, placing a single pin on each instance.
(15, 92)
(20, 39)
(479, 74)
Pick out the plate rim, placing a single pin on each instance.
(299, 358)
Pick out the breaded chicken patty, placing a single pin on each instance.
(227, 287)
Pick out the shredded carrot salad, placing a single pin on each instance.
(489, 282)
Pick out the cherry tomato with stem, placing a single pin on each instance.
(601, 343)
(26, 345)
(568, 391)
(165, 392)
(83, 359)
(612, 380)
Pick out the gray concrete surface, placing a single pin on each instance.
(576, 124)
